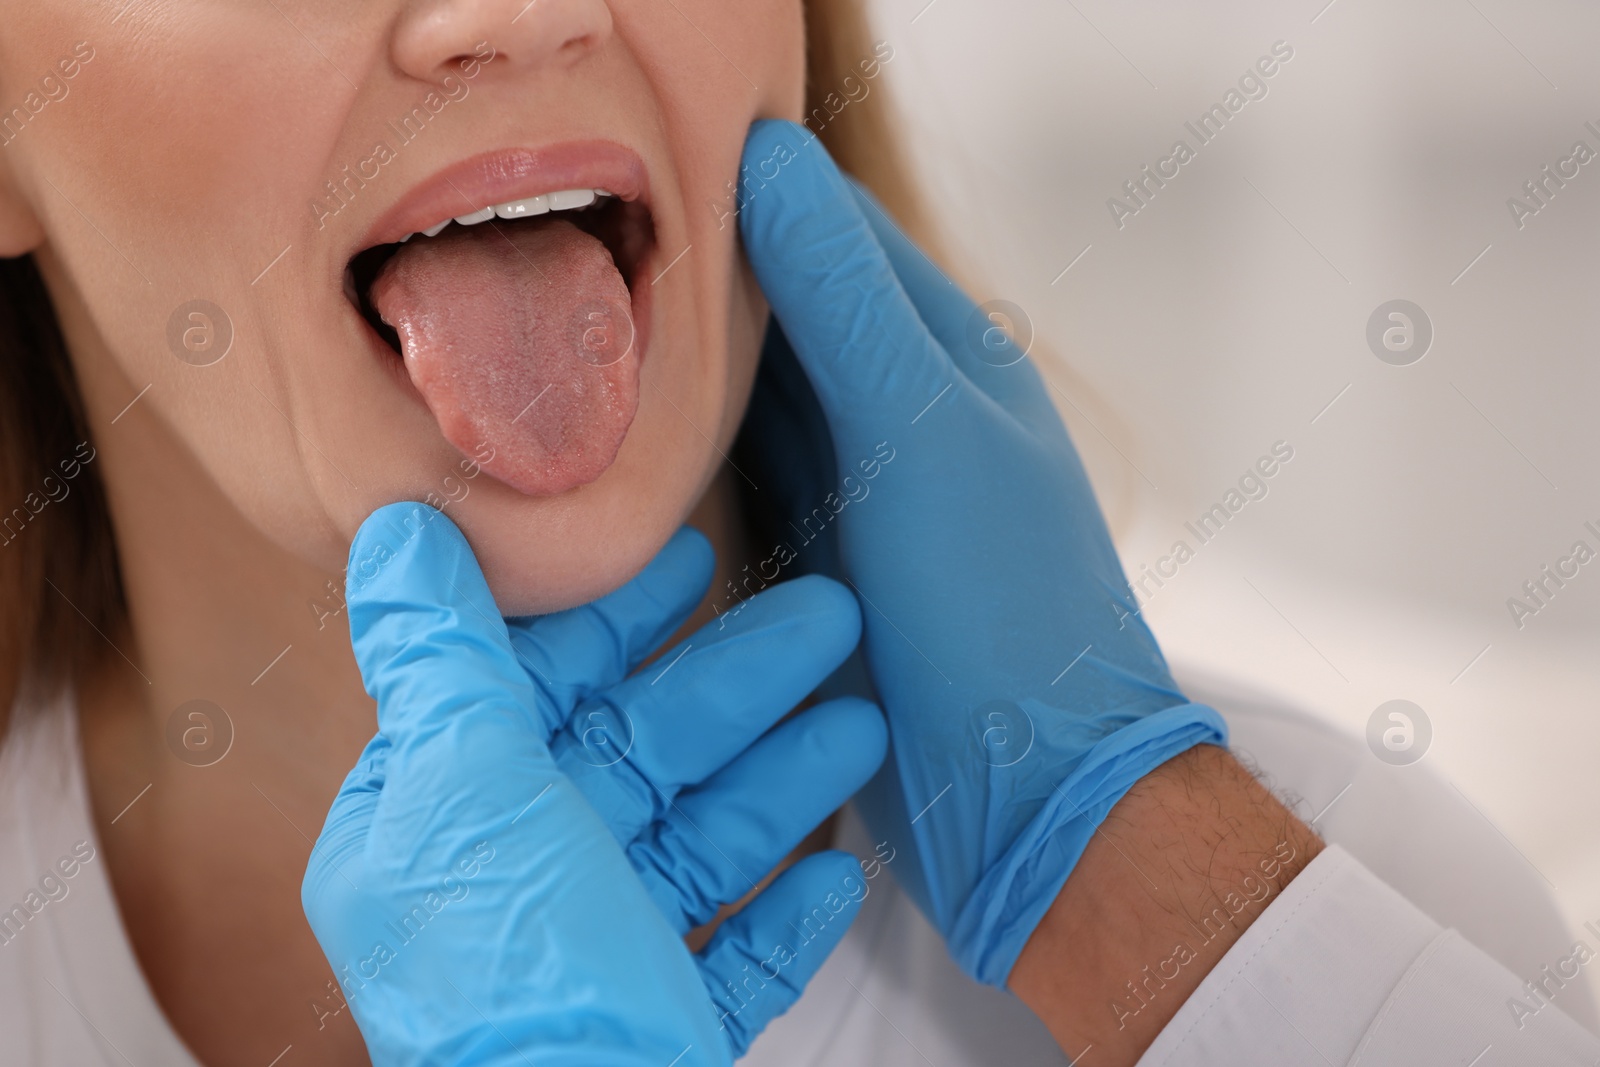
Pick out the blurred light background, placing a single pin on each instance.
(1231, 313)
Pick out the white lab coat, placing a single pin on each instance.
(1403, 944)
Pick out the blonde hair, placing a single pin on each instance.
(861, 136)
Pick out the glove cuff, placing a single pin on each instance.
(1012, 897)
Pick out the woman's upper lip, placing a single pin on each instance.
(511, 174)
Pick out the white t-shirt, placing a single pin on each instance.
(1340, 962)
(71, 991)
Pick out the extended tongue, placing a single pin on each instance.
(520, 339)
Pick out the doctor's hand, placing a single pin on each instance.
(1024, 693)
(507, 873)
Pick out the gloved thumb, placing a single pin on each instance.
(855, 331)
(433, 649)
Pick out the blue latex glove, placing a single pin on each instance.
(1024, 692)
(506, 875)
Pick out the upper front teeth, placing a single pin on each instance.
(562, 200)
(534, 205)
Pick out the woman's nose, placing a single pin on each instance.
(433, 35)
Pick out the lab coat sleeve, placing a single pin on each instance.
(1343, 970)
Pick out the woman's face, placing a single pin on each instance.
(244, 154)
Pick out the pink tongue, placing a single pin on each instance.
(520, 339)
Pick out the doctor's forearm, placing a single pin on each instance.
(1184, 863)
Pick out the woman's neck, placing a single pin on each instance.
(206, 857)
(218, 613)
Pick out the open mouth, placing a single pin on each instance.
(623, 226)
(523, 326)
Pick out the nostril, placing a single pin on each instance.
(446, 36)
(575, 45)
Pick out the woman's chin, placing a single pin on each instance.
(542, 554)
(537, 575)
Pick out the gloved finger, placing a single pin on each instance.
(633, 747)
(719, 839)
(344, 831)
(572, 654)
(866, 351)
(434, 653)
(987, 355)
(761, 959)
